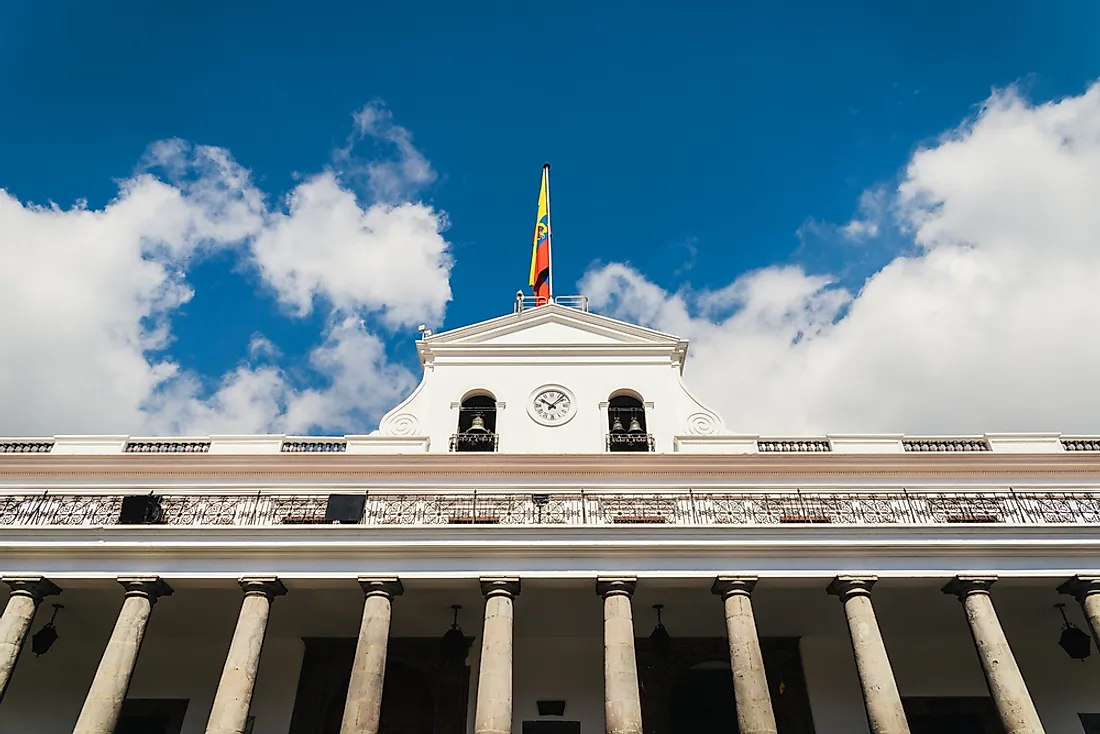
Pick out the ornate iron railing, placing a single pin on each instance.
(579, 508)
(474, 442)
(630, 442)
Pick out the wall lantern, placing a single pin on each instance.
(660, 638)
(1074, 641)
(454, 645)
(43, 639)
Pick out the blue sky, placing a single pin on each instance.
(694, 144)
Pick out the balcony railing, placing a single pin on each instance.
(473, 442)
(475, 508)
(630, 442)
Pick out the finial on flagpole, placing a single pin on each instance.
(545, 165)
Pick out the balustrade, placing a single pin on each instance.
(577, 508)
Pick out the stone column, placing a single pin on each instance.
(750, 684)
(234, 697)
(27, 593)
(622, 701)
(1086, 590)
(364, 703)
(116, 667)
(881, 699)
(494, 680)
(1002, 674)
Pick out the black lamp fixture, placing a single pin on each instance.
(1074, 641)
(659, 637)
(43, 639)
(454, 643)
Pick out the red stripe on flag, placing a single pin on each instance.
(542, 270)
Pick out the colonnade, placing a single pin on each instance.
(493, 713)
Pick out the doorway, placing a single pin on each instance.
(423, 692)
(689, 686)
(951, 715)
(151, 716)
(702, 700)
(407, 706)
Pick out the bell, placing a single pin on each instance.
(635, 426)
(477, 425)
(617, 426)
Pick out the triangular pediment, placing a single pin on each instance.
(553, 325)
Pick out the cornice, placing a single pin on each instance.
(1007, 541)
(550, 468)
(551, 313)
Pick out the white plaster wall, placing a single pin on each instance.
(558, 646)
(513, 384)
(510, 358)
(559, 654)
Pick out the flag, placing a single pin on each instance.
(540, 247)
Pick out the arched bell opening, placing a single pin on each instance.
(626, 424)
(477, 424)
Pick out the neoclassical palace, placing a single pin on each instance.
(550, 535)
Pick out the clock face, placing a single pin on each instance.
(551, 406)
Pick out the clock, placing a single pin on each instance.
(551, 405)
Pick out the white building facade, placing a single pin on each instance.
(551, 535)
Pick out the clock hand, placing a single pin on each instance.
(557, 401)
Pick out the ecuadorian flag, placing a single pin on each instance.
(540, 248)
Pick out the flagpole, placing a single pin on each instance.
(549, 231)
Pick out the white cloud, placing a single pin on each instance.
(385, 258)
(392, 180)
(873, 204)
(360, 385)
(88, 297)
(990, 325)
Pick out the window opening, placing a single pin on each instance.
(626, 425)
(477, 424)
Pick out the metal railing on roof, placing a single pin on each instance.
(526, 302)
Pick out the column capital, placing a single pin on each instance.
(964, 586)
(151, 587)
(387, 586)
(616, 586)
(1080, 586)
(726, 586)
(268, 586)
(846, 586)
(36, 587)
(500, 586)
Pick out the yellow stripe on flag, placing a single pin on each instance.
(543, 211)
